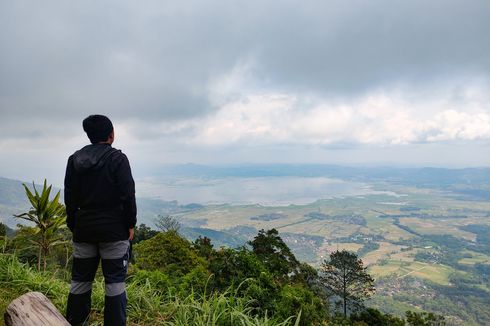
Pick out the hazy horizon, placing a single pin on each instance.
(168, 172)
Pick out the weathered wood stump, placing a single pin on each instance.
(33, 309)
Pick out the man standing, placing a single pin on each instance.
(101, 213)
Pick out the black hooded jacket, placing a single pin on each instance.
(99, 194)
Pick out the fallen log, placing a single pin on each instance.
(33, 309)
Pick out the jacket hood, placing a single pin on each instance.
(92, 157)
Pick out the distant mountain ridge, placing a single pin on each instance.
(468, 183)
(426, 175)
(11, 192)
(12, 200)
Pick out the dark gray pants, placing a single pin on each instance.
(86, 257)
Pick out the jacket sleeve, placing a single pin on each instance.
(126, 187)
(70, 194)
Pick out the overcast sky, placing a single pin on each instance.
(346, 82)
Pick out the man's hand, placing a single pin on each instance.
(131, 234)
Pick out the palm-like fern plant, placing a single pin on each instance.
(48, 216)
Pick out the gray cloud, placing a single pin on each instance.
(154, 60)
(346, 46)
(157, 68)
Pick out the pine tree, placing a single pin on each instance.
(344, 276)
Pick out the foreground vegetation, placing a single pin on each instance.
(173, 281)
(175, 287)
(147, 304)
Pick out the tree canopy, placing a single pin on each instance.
(274, 253)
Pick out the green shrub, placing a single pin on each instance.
(167, 252)
(374, 317)
(233, 266)
(295, 299)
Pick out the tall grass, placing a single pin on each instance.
(21, 278)
(147, 305)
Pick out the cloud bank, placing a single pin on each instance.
(247, 81)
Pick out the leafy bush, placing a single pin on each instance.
(296, 299)
(233, 266)
(167, 252)
(374, 317)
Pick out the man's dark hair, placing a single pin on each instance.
(98, 128)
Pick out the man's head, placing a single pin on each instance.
(99, 129)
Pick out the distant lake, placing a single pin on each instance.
(268, 191)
